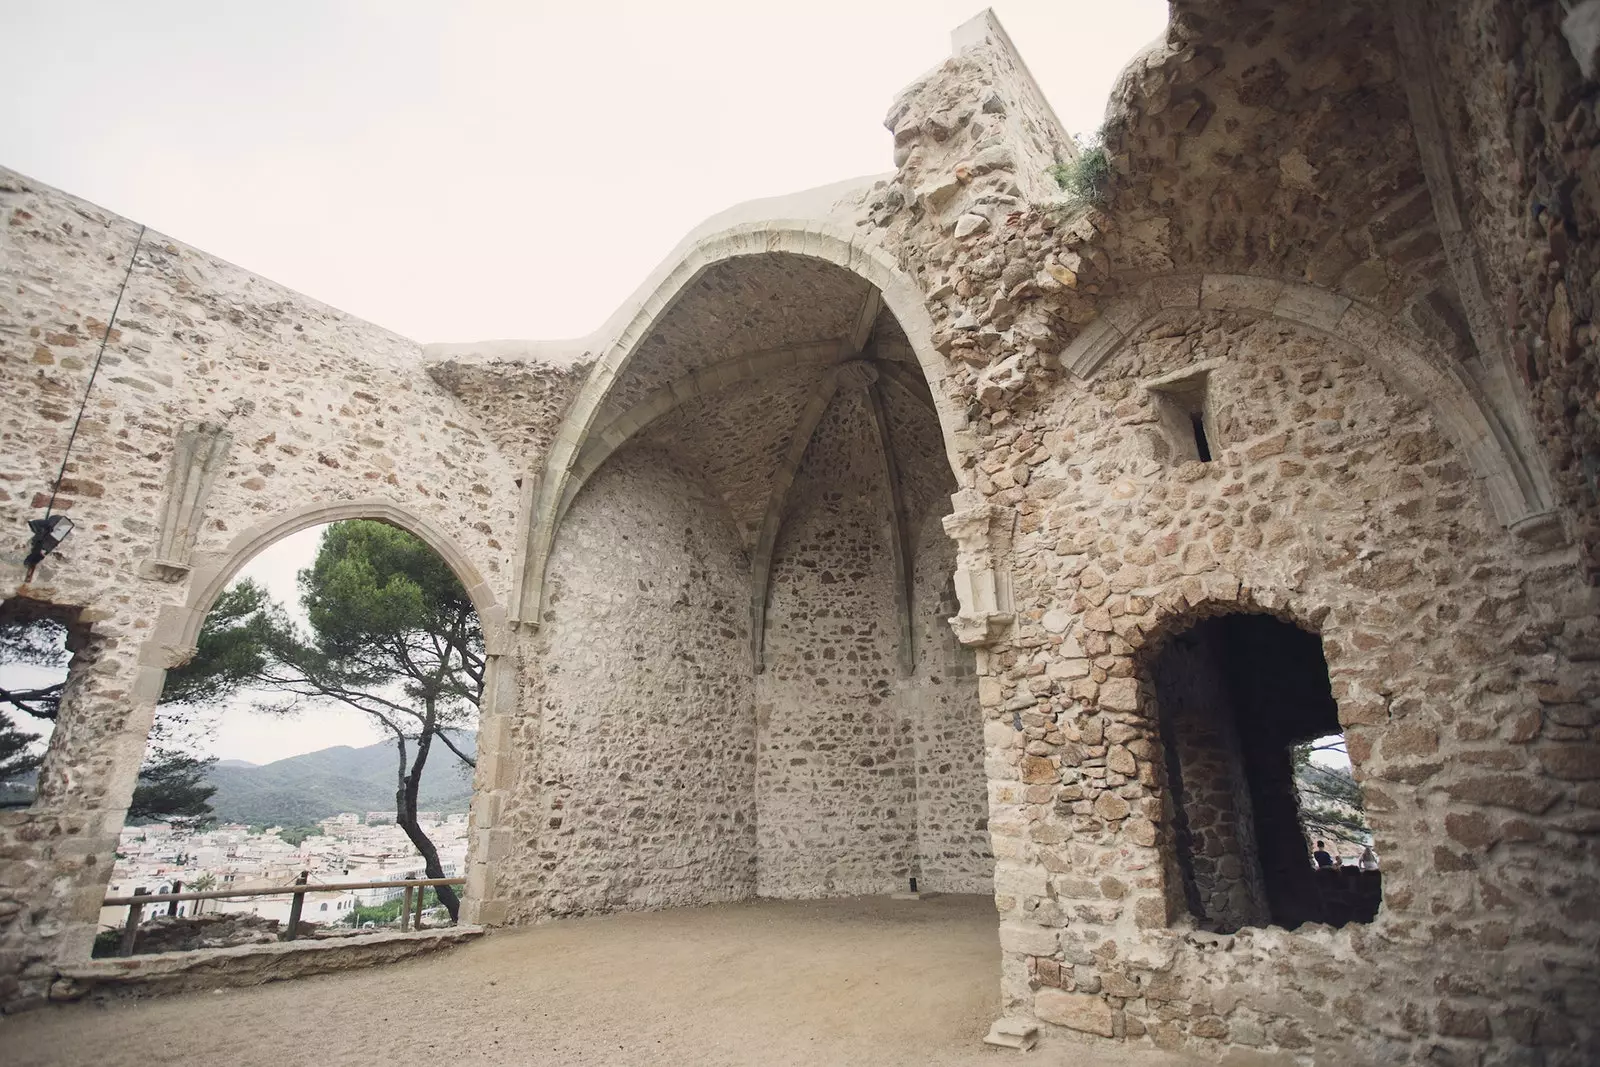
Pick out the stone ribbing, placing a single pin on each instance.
(807, 239)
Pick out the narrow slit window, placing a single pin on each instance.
(1181, 434)
(1198, 422)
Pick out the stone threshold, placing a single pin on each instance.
(165, 973)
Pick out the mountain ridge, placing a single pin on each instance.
(300, 790)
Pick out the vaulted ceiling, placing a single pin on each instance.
(736, 376)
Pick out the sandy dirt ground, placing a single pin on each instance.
(860, 981)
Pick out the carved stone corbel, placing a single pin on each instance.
(982, 532)
(197, 461)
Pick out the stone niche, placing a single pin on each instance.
(1235, 694)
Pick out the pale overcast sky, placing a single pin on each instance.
(460, 171)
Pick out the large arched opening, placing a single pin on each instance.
(396, 677)
(748, 685)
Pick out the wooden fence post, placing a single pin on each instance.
(405, 912)
(130, 931)
(420, 894)
(172, 905)
(295, 908)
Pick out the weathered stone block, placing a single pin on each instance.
(1572, 762)
(1119, 694)
(1029, 940)
(1076, 1011)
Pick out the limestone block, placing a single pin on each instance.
(1020, 880)
(1020, 1034)
(1028, 939)
(1119, 694)
(999, 734)
(1317, 308)
(938, 190)
(1092, 347)
(1225, 292)
(970, 225)
(1111, 807)
(1172, 291)
(1083, 1012)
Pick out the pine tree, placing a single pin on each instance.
(392, 633)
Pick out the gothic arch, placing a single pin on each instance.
(180, 627)
(544, 502)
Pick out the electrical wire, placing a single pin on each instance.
(95, 370)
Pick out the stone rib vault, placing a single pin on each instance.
(904, 529)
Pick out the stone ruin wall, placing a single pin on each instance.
(661, 771)
(1523, 126)
(642, 793)
(837, 763)
(313, 407)
(1331, 499)
(1462, 657)
(869, 776)
(941, 692)
(1358, 489)
(518, 397)
(953, 851)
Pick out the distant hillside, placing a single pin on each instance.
(302, 789)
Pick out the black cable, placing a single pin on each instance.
(73, 436)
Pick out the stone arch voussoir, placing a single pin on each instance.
(180, 627)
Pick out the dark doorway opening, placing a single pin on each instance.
(1238, 696)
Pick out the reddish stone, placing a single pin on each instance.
(1473, 830)
(1506, 791)
(1575, 762)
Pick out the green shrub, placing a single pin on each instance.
(107, 943)
(1087, 179)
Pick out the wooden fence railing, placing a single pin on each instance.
(136, 903)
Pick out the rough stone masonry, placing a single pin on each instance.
(863, 542)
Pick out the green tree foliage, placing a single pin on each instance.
(295, 835)
(1330, 799)
(392, 634)
(231, 650)
(34, 642)
(172, 788)
(18, 761)
(40, 644)
(388, 913)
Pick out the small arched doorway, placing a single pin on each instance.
(1251, 741)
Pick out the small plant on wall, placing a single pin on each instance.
(1087, 178)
